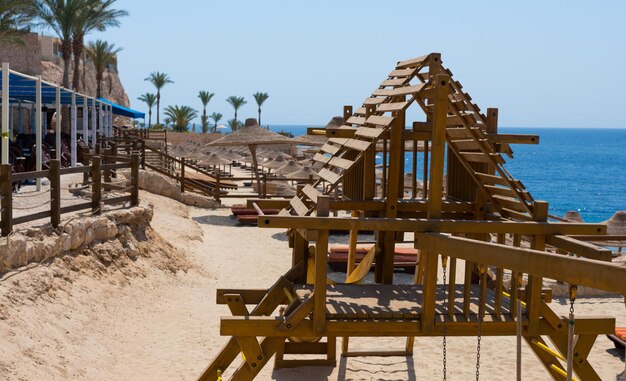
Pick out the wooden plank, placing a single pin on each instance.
(402, 73)
(393, 82)
(425, 225)
(583, 249)
(374, 101)
(319, 294)
(341, 163)
(328, 148)
(329, 176)
(298, 206)
(458, 133)
(357, 145)
(466, 144)
(321, 158)
(508, 213)
(382, 92)
(311, 193)
(490, 179)
(513, 138)
(360, 121)
(414, 62)
(369, 132)
(510, 203)
(394, 106)
(475, 157)
(383, 121)
(500, 191)
(580, 271)
(407, 90)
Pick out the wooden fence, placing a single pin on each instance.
(101, 171)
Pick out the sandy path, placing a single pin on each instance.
(153, 324)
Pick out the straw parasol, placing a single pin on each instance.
(616, 225)
(214, 159)
(252, 135)
(276, 163)
(291, 166)
(304, 173)
(573, 216)
(320, 140)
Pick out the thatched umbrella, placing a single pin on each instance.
(616, 225)
(214, 159)
(276, 163)
(291, 166)
(573, 216)
(252, 135)
(304, 173)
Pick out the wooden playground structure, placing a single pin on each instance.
(485, 229)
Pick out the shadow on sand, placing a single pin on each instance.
(216, 220)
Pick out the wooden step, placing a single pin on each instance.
(311, 193)
(374, 101)
(369, 132)
(341, 163)
(360, 111)
(298, 206)
(475, 157)
(328, 148)
(510, 203)
(357, 145)
(329, 176)
(382, 92)
(393, 82)
(383, 121)
(359, 121)
(508, 213)
(413, 62)
(459, 133)
(321, 158)
(466, 144)
(402, 73)
(395, 106)
(284, 212)
(490, 179)
(407, 90)
(506, 192)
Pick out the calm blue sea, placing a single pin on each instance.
(571, 168)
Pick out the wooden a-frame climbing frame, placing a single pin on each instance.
(485, 221)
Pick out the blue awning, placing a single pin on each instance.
(23, 88)
(124, 111)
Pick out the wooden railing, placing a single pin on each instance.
(101, 175)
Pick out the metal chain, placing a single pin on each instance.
(444, 261)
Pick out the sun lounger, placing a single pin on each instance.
(619, 339)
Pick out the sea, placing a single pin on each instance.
(581, 169)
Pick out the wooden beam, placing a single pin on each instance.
(579, 271)
(580, 248)
(513, 138)
(431, 226)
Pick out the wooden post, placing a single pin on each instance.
(5, 114)
(319, 293)
(323, 206)
(143, 154)
(264, 185)
(96, 184)
(54, 175)
(218, 187)
(134, 179)
(6, 199)
(182, 175)
(435, 196)
(535, 283)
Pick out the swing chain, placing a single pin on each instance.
(444, 263)
(572, 298)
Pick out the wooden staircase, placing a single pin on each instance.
(409, 82)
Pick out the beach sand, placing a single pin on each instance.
(156, 318)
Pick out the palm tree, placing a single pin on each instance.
(15, 19)
(236, 102)
(102, 54)
(60, 16)
(181, 116)
(95, 15)
(260, 98)
(149, 99)
(234, 125)
(216, 116)
(205, 98)
(159, 80)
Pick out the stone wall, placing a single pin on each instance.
(23, 58)
(42, 243)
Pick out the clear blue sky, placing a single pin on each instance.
(543, 63)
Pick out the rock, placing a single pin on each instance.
(89, 236)
(111, 230)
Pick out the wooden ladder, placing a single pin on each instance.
(369, 123)
(468, 140)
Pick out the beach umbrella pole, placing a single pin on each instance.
(252, 149)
